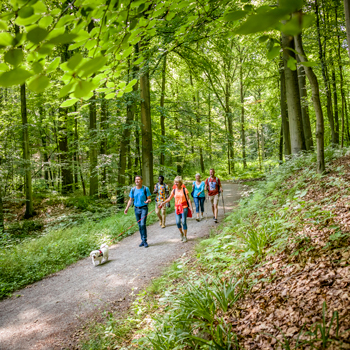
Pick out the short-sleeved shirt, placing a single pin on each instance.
(198, 189)
(161, 195)
(180, 197)
(139, 196)
(213, 186)
(174, 186)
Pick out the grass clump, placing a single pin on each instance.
(31, 261)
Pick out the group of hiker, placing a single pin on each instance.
(140, 196)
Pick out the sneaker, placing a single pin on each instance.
(160, 222)
(163, 226)
(214, 217)
(216, 221)
(198, 219)
(142, 244)
(184, 239)
(145, 245)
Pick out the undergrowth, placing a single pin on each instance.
(194, 305)
(31, 261)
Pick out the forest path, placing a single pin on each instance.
(47, 312)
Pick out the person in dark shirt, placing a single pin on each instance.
(213, 186)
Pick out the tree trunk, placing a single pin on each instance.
(103, 147)
(347, 21)
(66, 170)
(44, 146)
(258, 145)
(280, 149)
(146, 130)
(26, 156)
(124, 143)
(93, 147)
(336, 110)
(162, 114)
(284, 112)
(325, 78)
(317, 104)
(2, 227)
(304, 109)
(342, 93)
(209, 127)
(293, 97)
(242, 114)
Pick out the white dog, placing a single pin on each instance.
(99, 255)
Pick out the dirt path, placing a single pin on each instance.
(50, 310)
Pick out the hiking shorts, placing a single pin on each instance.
(214, 199)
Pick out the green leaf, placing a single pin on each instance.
(37, 35)
(39, 84)
(234, 16)
(26, 12)
(110, 96)
(14, 57)
(291, 63)
(6, 39)
(15, 76)
(3, 25)
(309, 64)
(274, 52)
(83, 88)
(69, 103)
(74, 61)
(65, 90)
(37, 67)
(53, 65)
(27, 21)
(3, 67)
(93, 65)
(39, 7)
(262, 21)
(248, 8)
(263, 38)
(65, 38)
(291, 6)
(132, 82)
(45, 21)
(121, 85)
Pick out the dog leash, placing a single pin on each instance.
(131, 226)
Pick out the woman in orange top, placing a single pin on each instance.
(182, 201)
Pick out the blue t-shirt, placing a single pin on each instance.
(198, 189)
(139, 196)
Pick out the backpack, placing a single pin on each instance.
(133, 193)
(217, 182)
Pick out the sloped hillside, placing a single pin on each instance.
(275, 276)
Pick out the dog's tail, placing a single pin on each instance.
(104, 246)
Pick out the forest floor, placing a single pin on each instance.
(46, 314)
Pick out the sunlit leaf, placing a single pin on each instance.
(74, 61)
(6, 39)
(15, 76)
(53, 65)
(93, 65)
(26, 12)
(39, 84)
(83, 88)
(69, 102)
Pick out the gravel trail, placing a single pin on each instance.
(49, 311)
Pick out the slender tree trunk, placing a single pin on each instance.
(342, 93)
(138, 164)
(347, 21)
(258, 145)
(44, 146)
(209, 126)
(146, 130)
(284, 113)
(317, 104)
(124, 143)
(242, 113)
(162, 114)
(280, 150)
(325, 78)
(304, 109)
(336, 110)
(93, 147)
(2, 227)
(26, 155)
(293, 97)
(103, 147)
(79, 167)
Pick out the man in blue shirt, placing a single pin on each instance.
(141, 196)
